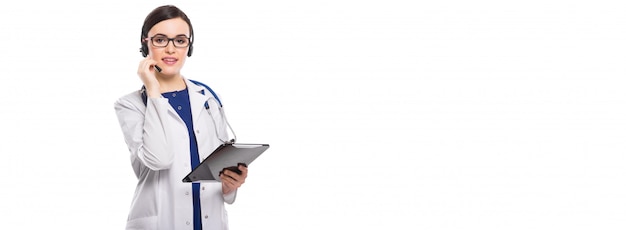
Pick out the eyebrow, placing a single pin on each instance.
(168, 37)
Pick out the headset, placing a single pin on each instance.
(144, 44)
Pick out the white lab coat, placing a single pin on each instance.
(158, 142)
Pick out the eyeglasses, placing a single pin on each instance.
(161, 41)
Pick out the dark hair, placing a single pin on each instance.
(159, 14)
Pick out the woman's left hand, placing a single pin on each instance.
(231, 181)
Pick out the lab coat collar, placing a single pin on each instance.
(197, 97)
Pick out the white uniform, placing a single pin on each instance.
(158, 141)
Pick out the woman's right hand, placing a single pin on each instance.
(146, 72)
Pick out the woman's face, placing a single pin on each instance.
(170, 58)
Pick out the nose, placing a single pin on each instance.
(170, 47)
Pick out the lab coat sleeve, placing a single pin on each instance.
(230, 197)
(146, 133)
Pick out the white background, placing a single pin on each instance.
(381, 114)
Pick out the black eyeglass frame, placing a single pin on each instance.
(151, 39)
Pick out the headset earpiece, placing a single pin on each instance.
(191, 37)
(190, 50)
(144, 49)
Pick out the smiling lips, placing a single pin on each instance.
(169, 60)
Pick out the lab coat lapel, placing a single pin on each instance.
(196, 98)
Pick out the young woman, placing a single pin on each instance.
(170, 126)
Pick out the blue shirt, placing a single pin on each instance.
(179, 100)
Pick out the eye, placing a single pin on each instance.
(159, 40)
(181, 40)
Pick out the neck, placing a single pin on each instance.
(169, 84)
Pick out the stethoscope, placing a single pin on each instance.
(144, 97)
(206, 106)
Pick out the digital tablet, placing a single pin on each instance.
(224, 156)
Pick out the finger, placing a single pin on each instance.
(243, 169)
(229, 182)
(144, 67)
(244, 174)
(230, 174)
(148, 61)
(233, 178)
(238, 179)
